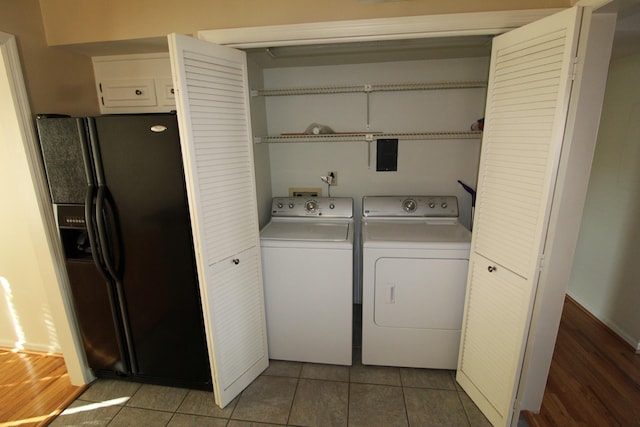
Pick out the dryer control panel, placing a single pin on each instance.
(410, 206)
(328, 207)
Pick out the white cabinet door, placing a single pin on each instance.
(127, 93)
(530, 84)
(212, 100)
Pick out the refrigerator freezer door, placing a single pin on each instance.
(148, 225)
(66, 159)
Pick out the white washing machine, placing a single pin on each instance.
(415, 256)
(307, 262)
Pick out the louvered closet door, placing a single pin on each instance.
(212, 99)
(527, 103)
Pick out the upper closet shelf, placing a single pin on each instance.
(369, 137)
(368, 88)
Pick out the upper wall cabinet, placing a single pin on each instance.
(134, 83)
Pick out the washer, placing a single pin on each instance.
(415, 256)
(307, 261)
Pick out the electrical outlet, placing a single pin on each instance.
(334, 175)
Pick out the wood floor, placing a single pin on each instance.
(34, 388)
(594, 378)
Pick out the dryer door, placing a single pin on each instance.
(420, 293)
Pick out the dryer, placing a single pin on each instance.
(415, 256)
(307, 264)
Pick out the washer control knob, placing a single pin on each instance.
(291, 205)
(332, 206)
(432, 204)
(409, 205)
(311, 205)
(444, 205)
(280, 205)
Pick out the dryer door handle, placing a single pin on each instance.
(390, 294)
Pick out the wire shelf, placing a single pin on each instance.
(369, 137)
(368, 88)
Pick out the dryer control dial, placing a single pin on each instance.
(311, 206)
(409, 205)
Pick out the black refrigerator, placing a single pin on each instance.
(118, 192)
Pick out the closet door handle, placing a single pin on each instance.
(492, 268)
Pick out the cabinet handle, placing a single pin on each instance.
(236, 261)
(492, 268)
(172, 91)
(138, 92)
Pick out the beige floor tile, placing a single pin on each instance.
(81, 413)
(325, 372)
(186, 420)
(158, 397)
(427, 378)
(103, 389)
(437, 408)
(476, 418)
(320, 403)
(283, 368)
(383, 375)
(268, 399)
(138, 417)
(236, 423)
(203, 403)
(376, 405)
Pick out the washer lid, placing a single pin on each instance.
(316, 231)
(412, 233)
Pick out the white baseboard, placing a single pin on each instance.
(35, 347)
(633, 342)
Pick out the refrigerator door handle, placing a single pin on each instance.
(104, 211)
(90, 222)
(108, 232)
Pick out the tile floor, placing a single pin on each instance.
(288, 394)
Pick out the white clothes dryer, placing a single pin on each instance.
(307, 264)
(415, 256)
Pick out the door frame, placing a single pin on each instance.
(379, 29)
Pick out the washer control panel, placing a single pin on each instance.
(410, 206)
(329, 207)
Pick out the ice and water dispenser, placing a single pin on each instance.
(73, 232)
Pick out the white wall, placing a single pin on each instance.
(424, 167)
(25, 315)
(605, 277)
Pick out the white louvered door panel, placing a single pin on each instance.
(212, 100)
(528, 95)
(524, 125)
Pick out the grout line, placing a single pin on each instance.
(294, 397)
(404, 400)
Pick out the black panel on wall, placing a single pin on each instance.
(387, 155)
